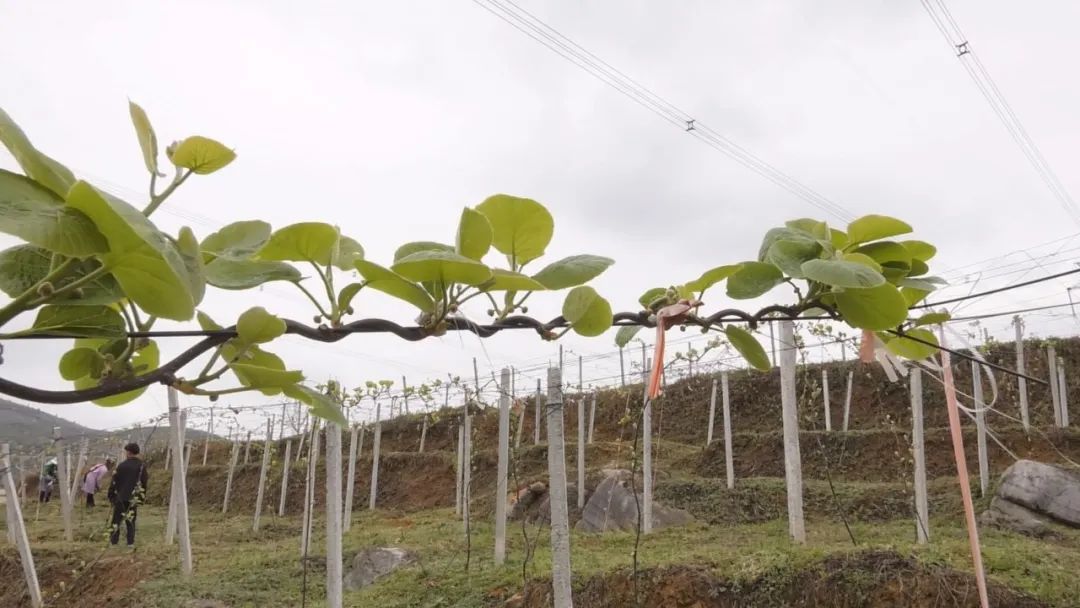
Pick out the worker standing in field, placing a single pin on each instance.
(48, 480)
(92, 481)
(126, 492)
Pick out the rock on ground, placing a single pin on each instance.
(612, 506)
(1011, 516)
(1043, 488)
(375, 562)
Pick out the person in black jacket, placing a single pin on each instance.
(126, 493)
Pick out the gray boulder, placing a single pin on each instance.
(1043, 488)
(373, 563)
(1011, 516)
(612, 507)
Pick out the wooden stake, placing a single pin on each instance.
(176, 429)
(646, 452)
(825, 394)
(18, 529)
(350, 481)
(376, 440)
(423, 433)
(560, 516)
(334, 578)
(728, 460)
(503, 467)
(712, 415)
(459, 470)
(233, 458)
(847, 401)
(285, 463)
(262, 473)
(792, 454)
(980, 428)
(65, 485)
(1025, 416)
(918, 449)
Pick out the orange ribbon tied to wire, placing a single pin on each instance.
(666, 318)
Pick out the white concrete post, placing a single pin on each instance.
(538, 407)
(334, 578)
(1055, 385)
(309, 490)
(262, 473)
(247, 448)
(285, 478)
(712, 415)
(375, 441)
(646, 453)
(210, 433)
(980, 428)
(503, 467)
(63, 483)
(825, 395)
(792, 454)
(1025, 416)
(560, 516)
(592, 417)
(174, 497)
(466, 466)
(423, 433)
(84, 449)
(847, 401)
(350, 482)
(918, 450)
(233, 457)
(177, 432)
(580, 450)
(729, 461)
(1063, 394)
(18, 529)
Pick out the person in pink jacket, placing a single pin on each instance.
(92, 481)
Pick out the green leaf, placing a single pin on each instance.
(753, 279)
(918, 268)
(78, 321)
(504, 280)
(711, 277)
(39, 217)
(838, 238)
(391, 283)
(37, 165)
(920, 250)
(145, 360)
(24, 266)
(911, 349)
(239, 240)
(188, 246)
(442, 268)
(201, 154)
(256, 326)
(651, 296)
(789, 256)
(522, 228)
(812, 227)
(913, 296)
(886, 251)
(474, 234)
(588, 313)
(865, 260)
(932, 318)
(230, 273)
(748, 347)
(304, 242)
(626, 334)
(147, 138)
(781, 234)
(417, 246)
(347, 293)
(895, 271)
(877, 308)
(348, 251)
(319, 405)
(927, 284)
(143, 260)
(873, 227)
(258, 377)
(79, 362)
(839, 273)
(573, 271)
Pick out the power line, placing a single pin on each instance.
(538, 30)
(950, 30)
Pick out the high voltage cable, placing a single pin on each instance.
(533, 27)
(943, 20)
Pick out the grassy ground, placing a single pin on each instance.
(237, 567)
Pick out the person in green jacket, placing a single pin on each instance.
(48, 480)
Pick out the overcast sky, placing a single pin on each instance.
(388, 118)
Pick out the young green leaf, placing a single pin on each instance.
(920, 250)
(417, 246)
(873, 227)
(348, 251)
(572, 271)
(913, 296)
(238, 240)
(814, 228)
(391, 283)
(147, 139)
(626, 334)
(711, 277)
(865, 260)
(188, 246)
(504, 280)
(442, 268)
(201, 154)
(256, 326)
(918, 268)
(588, 313)
(913, 349)
(265, 378)
(748, 347)
(838, 238)
(37, 165)
(474, 234)
(781, 234)
(922, 284)
(753, 279)
(522, 228)
(146, 359)
(789, 256)
(39, 217)
(838, 273)
(346, 295)
(78, 321)
(877, 308)
(931, 318)
(143, 260)
(303, 242)
(24, 266)
(79, 362)
(319, 405)
(235, 274)
(884, 252)
(651, 297)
